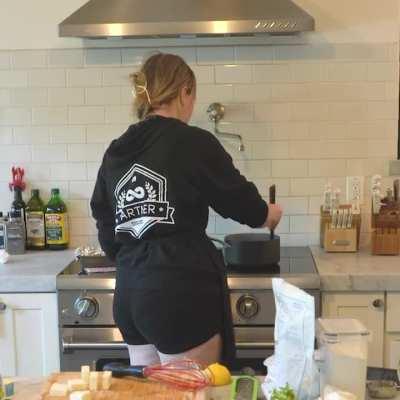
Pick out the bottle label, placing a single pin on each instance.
(56, 228)
(35, 228)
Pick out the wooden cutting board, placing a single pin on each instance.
(126, 389)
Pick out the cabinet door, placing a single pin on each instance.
(369, 308)
(28, 334)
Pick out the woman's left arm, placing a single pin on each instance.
(103, 213)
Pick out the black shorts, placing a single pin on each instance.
(174, 321)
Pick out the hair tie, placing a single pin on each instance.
(140, 89)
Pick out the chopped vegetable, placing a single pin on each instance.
(284, 393)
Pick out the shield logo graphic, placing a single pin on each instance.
(141, 201)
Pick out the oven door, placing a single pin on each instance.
(91, 346)
(253, 346)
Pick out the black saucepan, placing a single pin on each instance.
(252, 249)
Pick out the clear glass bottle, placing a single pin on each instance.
(56, 222)
(34, 215)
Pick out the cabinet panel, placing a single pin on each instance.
(369, 308)
(392, 312)
(29, 335)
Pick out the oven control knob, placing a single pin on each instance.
(86, 307)
(247, 307)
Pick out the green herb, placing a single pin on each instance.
(284, 393)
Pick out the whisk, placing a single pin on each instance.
(182, 374)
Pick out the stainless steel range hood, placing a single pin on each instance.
(185, 18)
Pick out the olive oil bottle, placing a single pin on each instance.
(56, 222)
(34, 214)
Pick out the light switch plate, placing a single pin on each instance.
(354, 188)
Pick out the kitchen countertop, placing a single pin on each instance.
(34, 271)
(29, 389)
(357, 271)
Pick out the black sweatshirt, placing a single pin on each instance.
(155, 185)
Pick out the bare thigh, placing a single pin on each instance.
(205, 354)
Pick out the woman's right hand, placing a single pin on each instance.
(274, 216)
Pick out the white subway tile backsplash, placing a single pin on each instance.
(136, 56)
(68, 171)
(84, 77)
(31, 135)
(15, 154)
(10, 79)
(215, 55)
(382, 71)
(66, 58)
(6, 135)
(308, 114)
(66, 96)
(251, 93)
(212, 93)
(5, 60)
(50, 116)
(85, 152)
(304, 223)
(270, 150)
(68, 134)
(289, 168)
(92, 170)
(81, 189)
(49, 153)
(382, 110)
(15, 116)
(86, 115)
(346, 72)
(78, 208)
(29, 97)
(293, 205)
(47, 78)
(254, 54)
(104, 96)
(95, 57)
(5, 97)
(307, 186)
(307, 72)
(272, 73)
(104, 133)
(233, 74)
(28, 59)
(318, 168)
(119, 114)
(117, 76)
(271, 112)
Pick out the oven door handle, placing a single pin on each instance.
(94, 345)
(255, 345)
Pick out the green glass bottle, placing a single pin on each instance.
(34, 214)
(56, 222)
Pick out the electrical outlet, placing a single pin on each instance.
(354, 188)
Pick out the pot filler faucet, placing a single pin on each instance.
(216, 112)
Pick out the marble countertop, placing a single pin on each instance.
(357, 271)
(34, 271)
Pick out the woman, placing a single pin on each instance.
(151, 201)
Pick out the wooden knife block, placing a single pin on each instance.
(385, 236)
(339, 240)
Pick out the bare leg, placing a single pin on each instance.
(205, 354)
(143, 355)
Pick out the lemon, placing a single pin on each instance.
(218, 374)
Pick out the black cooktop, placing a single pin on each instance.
(294, 260)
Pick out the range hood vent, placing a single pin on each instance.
(185, 18)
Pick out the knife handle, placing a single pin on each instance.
(119, 370)
(272, 194)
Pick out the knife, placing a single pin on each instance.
(396, 186)
(272, 198)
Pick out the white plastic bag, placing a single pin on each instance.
(293, 361)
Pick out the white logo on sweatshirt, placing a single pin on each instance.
(141, 201)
